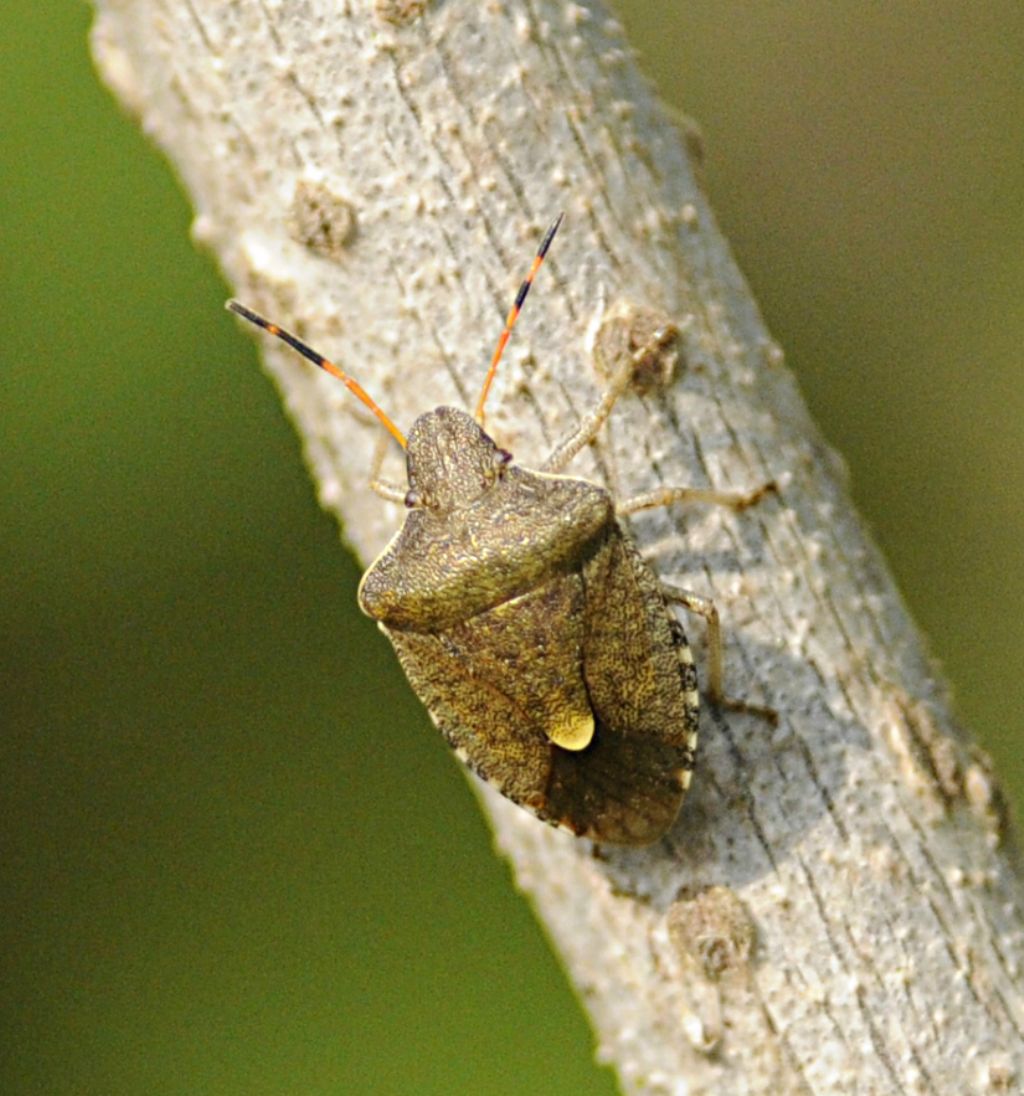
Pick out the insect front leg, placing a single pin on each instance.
(390, 491)
(588, 427)
(705, 607)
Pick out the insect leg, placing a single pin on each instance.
(705, 607)
(588, 427)
(389, 491)
(666, 496)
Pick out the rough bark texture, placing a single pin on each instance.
(837, 908)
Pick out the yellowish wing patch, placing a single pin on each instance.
(573, 731)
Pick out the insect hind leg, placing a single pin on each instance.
(706, 608)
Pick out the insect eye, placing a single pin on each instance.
(412, 499)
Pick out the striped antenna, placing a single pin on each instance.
(317, 359)
(513, 315)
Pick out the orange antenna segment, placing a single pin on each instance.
(513, 315)
(317, 359)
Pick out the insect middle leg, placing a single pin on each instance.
(666, 496)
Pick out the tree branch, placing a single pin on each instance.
(838, 907)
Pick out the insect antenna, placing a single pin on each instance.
(318, 359)
(513, 315)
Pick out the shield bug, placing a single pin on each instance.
(527, 622)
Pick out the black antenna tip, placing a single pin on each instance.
(238, 308)
(550, 234)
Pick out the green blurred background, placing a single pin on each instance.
(216, 875)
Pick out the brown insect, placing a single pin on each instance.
(525, 619)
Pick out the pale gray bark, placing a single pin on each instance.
(837, 909)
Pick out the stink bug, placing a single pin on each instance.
(526, 621)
